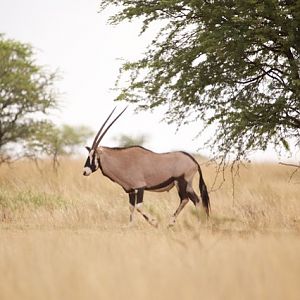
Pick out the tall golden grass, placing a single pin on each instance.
(64, 236)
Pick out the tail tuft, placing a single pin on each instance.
(204, 193)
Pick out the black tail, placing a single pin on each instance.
(203, 192)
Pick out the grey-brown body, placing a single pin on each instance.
(137, 169)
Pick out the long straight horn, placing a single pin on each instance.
(103, 134)
(95, 143)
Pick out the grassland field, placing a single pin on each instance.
(65, 236)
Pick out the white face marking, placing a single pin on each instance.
(92, 163)
(87, 171)
(96, 163)
(91, 156)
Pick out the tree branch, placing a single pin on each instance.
(294, 172)
(290, 165)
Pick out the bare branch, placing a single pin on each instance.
(289, 165)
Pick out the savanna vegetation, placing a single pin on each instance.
(65, 235)
(230, 64)
(28, 99)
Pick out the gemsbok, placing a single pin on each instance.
(137, 169)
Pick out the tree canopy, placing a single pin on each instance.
(27, 97)
(231, 64)
(127, 140)
(27, 94)
(56, 141)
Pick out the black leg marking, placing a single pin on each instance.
(182, 185)
(132, 200)
(193, 196)
(140, 196)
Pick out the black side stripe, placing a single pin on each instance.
(161, 185)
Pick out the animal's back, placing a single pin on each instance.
(137, 166)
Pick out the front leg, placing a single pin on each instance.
(148, 217)
(132, 201)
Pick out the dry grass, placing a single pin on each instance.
(67, 237)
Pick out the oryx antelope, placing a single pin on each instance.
(137, 169)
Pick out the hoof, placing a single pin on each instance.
(154, 223)
(172, 222)
(131, 225)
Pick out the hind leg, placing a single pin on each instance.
(192, 194)
(184, 199)
(194, 198)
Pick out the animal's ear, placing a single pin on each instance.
(88, 149)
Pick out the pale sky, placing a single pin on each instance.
(71, 36)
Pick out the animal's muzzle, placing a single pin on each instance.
(87, 171)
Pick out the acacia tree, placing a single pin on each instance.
(127, 141)
(26, 95)
(56, 141)
(234, 64)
